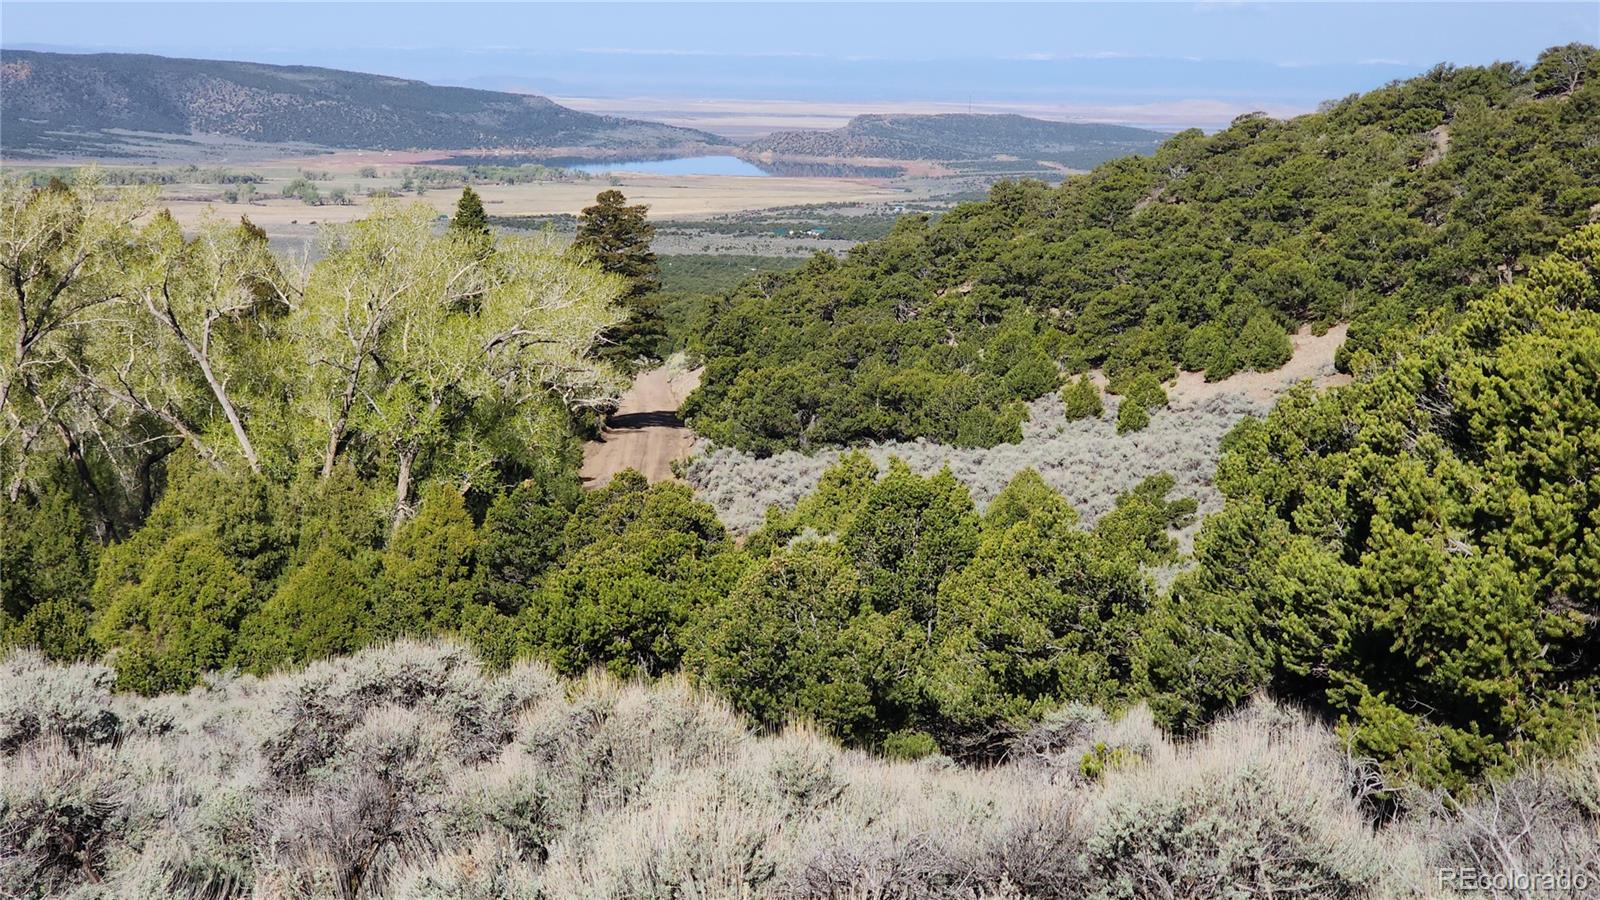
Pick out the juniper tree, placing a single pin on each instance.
(1415, 553)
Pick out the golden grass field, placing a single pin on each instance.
(669, 196)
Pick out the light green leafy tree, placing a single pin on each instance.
(59, 249)
(415, 337)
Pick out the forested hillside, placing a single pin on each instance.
(957, 136)
(59, 104)
(187, 495)
(221, 466)
(1385, 210)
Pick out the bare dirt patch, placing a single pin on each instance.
(645, 432)
(1313, 359)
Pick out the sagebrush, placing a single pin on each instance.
(406, 771)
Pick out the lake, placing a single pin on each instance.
(691, 165)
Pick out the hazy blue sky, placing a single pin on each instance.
(1202, 59)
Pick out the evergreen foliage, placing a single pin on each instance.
(884, 607)
(1382, 209)
(180, 618)
(1131, 416)
(470, 220)
(617, 236)
(1412, 556)
(642, 562)
(1416, 553)
(1080, 399)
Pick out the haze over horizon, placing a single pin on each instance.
(744, 69)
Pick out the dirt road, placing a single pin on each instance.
(645, 432)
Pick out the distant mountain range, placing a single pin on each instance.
(109, 105)
(60, 104)
(958, 136)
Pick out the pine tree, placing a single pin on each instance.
(470, 220)
(619, 236)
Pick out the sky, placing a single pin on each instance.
(1165, 64)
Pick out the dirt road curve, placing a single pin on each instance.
(645, 432)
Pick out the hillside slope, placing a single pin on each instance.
(64, 104)
(1381, 210)
(958, 136)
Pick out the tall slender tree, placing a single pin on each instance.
(618, 237)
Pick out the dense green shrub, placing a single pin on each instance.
(885, 605)
(908, 534)
(427, 568)
(1415, 553)
(58, 628)
(325, 607)
(1262, 345)
(48, 553)
(1144, 389)
(1209, 348)
(521, 539)
(787, 643)
(1138, 526)
(1131, 416)
(1040, 616)
(1080, 399)
(178, 620)
(642, 561)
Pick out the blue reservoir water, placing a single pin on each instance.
(692, 165)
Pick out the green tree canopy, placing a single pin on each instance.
(470, 220)
(1417, 552)
(1381, 209)
(618, 237)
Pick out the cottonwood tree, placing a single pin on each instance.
(57, 246)
(192, 314)
(371, 271)
(414, 338)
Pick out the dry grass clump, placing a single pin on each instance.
(72, 703)
(406, 771)
(1084, 459)
(1543, 821)
(1257, 809)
